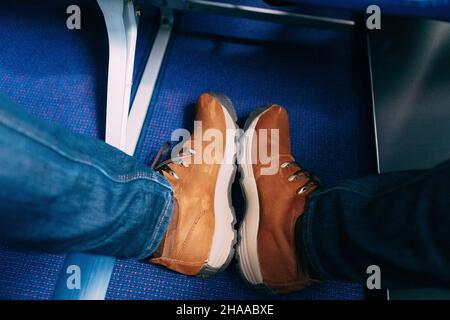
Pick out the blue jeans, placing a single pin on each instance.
(398, 221)
(63, 192)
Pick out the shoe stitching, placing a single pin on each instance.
(189, 234)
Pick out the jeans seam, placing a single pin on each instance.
(118, 179)
(340, 188)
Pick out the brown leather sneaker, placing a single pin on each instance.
(266, 251)
(201, 235)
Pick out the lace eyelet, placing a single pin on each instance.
(173, 174)
(292, 178)
(302, 190)
(284, 165)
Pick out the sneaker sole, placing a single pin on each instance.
(247, 248)
(225, 236)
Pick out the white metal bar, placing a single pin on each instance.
(131, 31)
(116, 113)
(95, 274)
(147, 84)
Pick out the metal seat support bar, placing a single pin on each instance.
(255, 13)
(122, 33)
(147, 84)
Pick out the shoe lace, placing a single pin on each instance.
(312, 180)
(164, 166)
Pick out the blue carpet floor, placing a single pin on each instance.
(60, 75)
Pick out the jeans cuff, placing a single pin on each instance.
(155, 237)
(307, 233)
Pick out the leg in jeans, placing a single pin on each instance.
(398, 221)
(64, 192)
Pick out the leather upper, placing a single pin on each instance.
(280, 207)
(188, 240)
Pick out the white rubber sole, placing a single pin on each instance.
(225, 236)
(247, 248)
